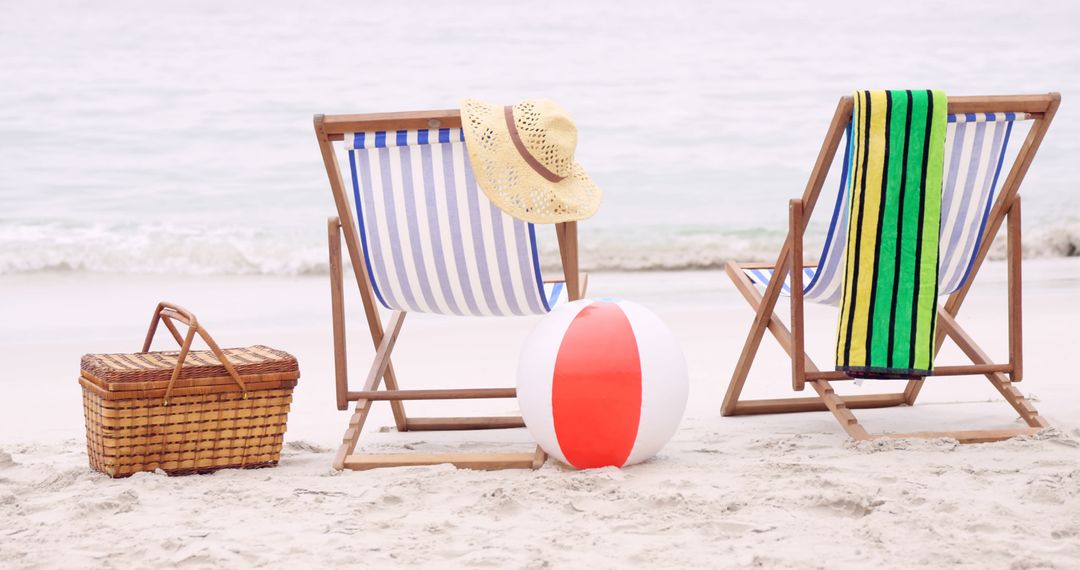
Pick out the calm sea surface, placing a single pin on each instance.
(143, 137)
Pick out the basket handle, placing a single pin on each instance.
(169, 312)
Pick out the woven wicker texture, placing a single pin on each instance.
(549, 137)
(208, 423)
(158, 366)
(193, 434)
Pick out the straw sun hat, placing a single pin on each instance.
(523, 159)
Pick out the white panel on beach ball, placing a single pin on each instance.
(602, 382)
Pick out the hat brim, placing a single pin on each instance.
(511, 183)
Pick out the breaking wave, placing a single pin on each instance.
(183, 250)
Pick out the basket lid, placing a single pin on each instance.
(158, 366)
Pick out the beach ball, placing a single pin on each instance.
(601, 383)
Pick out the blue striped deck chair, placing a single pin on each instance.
(422, 237)
(979, 195)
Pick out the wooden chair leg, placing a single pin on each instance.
(337, 307)
(750, 346)
(1015, 256)
(539, 458)
(1001, 382)
(576, 283)
(798, 367)
(352, 434)
(337, 312)
(840, 410)
(375, 375)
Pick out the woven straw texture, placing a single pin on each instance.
(549, 136)
(155, 366)
(208, 424)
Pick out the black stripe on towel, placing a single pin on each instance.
(899, 234)
(858, 234)
(880, 222)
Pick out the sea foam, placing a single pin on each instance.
(156, 249)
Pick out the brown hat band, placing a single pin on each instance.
(524, 152)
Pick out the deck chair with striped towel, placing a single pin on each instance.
(425, 238)
(978, 196)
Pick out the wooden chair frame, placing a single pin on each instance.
(330, 128)
(1006, 209)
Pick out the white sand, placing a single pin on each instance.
(768, 491)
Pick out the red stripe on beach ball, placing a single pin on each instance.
(596, 389)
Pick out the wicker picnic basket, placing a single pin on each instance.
(186, 411)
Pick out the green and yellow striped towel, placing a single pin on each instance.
(889, 309)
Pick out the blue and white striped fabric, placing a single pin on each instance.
(975, 145)
(432, 240)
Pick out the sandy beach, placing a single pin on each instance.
(166, 152)
(784, 491)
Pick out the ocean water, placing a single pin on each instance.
(140, 137)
